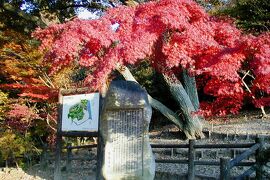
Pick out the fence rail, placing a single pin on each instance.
(226, 164)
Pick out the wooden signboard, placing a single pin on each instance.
(78, 116)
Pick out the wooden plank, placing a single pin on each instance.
(79, 134)
(173, 161)
(74, 91)
(244, 155)
(217, 163)
(169, 145)
(213, 146)
(73, 158)
(203, 146)
(209, 163)
(246, 174)
(83, 158)
(84, 146)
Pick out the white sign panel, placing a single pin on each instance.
(80, 112)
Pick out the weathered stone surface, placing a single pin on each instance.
(125, 120)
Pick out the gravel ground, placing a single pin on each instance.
(167, 135)
(258, 126)
(16, 174)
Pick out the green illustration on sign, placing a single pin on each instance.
(78, 111)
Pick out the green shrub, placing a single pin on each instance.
(14, 146)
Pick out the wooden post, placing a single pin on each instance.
(191, 158)
(259, 165)
(69, 156)
(58, 149)
(224, 168)
(44, 158)
(57, 165)
(100, 145)
(100, 153)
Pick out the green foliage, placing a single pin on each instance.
(145, 75)
(3, 104)
(25, 123)
(251, 15)
(14, 146)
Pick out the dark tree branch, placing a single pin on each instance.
(37, 20)
(34, 19)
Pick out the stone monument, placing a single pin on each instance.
(125, 119)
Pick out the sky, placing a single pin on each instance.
(85, 14)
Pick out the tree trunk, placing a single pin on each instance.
(189, 84)
(192, 125)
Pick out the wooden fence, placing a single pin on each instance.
(225, 164)
(46, 157)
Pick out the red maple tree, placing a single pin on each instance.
(173, 35)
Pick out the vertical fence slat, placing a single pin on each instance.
(191, 158)
(57, 164)
(44, 158)
(224, 168)
(259, 165)
(69, 156)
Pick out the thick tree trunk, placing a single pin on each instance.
(192, 125)
(189, 84)
(153, 102)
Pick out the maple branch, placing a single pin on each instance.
(47, 81)
(252, 96)
(46, 84)
(247, 74)
(48, 122)
(246, 86)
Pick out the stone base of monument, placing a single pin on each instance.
(124, 126)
